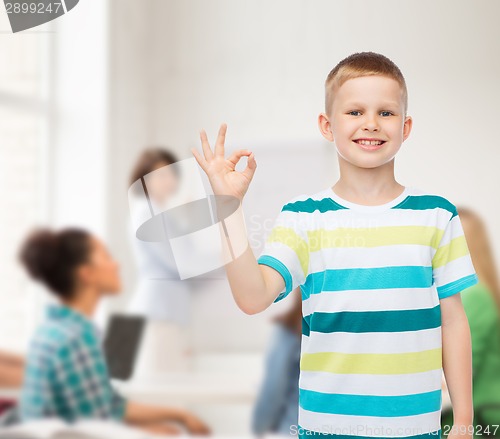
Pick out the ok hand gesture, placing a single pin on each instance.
(223, 177)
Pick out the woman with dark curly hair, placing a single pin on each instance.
(66, 373)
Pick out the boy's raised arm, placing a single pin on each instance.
(254, 286)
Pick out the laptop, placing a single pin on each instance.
(121, 344)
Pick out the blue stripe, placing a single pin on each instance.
(457, 286)
(413, 276)
(281, 269)
(427, 202)
(305, 328)
(306, 325)
(376, 321)
(329, 431)
(412, 202)
(310, 206)
(370, 405)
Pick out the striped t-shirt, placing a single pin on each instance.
(371, 279)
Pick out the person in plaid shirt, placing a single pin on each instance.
(66, 375)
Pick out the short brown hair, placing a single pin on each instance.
(362, 64)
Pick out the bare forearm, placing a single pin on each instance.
(252, 291)
(253, 287)
(137, 413)
(457, 366)
(247, 283)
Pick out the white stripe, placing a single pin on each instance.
(370, 257)
(370, 425)
(373, 342)
(289, 259)
(454, 230)
(293, 220)
(372, 300)
(367, 384)
(453, 270)
(393, 218)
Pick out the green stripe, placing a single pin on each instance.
(412, 202)
(427, 202)
(305, 326)
(310, 205)
(376, 321)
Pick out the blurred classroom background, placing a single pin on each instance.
(82, 96)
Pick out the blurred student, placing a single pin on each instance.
(277, 406)
(482, 307)
(160, 295)
(155, 260)
(66, 374)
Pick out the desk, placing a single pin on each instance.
(224, 400)
(192, 388)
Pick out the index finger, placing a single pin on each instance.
(205, 145)
(221, 138)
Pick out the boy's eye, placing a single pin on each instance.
(383, 113)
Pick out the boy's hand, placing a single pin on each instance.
(223, 177)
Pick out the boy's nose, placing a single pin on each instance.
(371, 124)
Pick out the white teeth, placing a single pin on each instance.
(369, 142)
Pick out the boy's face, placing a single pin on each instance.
(369, 107)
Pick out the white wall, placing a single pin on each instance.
(261, 67)
(130, 113)
(156, 71)
(181, 65)
(78, 163)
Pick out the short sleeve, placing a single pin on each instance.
(287, 249)
(452, 268)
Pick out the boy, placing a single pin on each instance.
(380, 267)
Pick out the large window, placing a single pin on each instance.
(24, 131)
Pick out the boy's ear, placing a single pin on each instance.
(325, 127)
(408, 123)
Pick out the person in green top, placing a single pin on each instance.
(482, 307)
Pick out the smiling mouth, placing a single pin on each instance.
(369, 142)
(370, 145)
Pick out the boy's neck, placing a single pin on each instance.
(368, 186)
